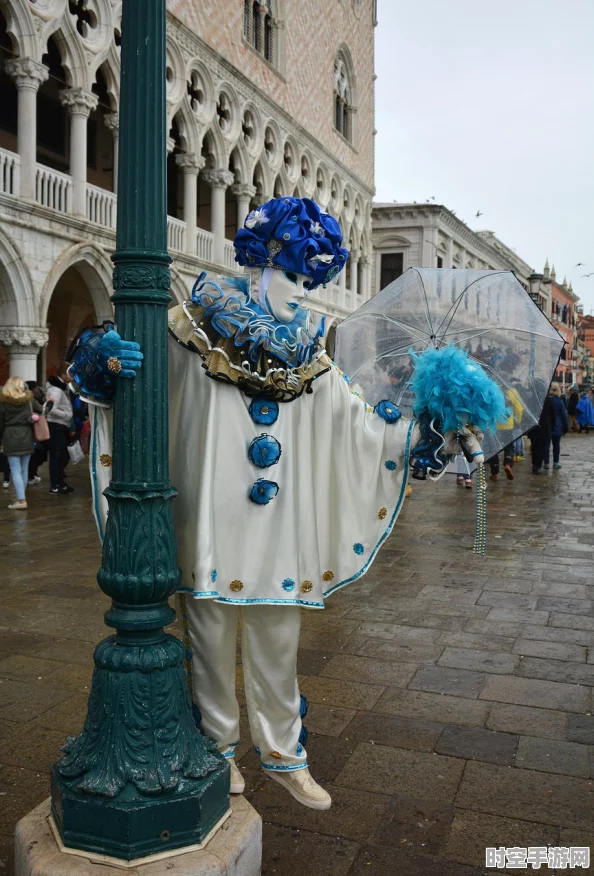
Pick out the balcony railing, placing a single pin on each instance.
(176, 234)
(53, 189)
(9, 172)
(101, 207)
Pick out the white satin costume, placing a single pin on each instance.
(337, 488)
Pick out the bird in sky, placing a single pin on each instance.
(478, 213)
(580, 265)
(588, 275)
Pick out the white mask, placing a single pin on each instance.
(286, 291)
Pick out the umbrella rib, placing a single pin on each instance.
(501, 380)
(427, 313)
(504, 328)
(414, 332)
(394, 353)
(456, 304)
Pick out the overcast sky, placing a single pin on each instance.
(490, 106)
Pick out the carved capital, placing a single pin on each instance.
(243, 190)
(170, 145)
(190, 162)
(26, 72)
(355, 255)
(79, 101)
(23, 336)
(112, 122)
(218, 179)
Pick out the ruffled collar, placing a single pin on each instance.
(234, 314)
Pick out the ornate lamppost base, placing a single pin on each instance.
(235, 849)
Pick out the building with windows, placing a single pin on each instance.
(431, 236)
(265, 98)
(565, 316)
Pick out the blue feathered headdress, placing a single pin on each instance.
(294, 234)
(455, 390)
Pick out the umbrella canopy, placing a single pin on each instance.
(488, 314)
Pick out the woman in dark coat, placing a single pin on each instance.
(540, 436)
(18, 411)
(572, 404)
(560, 428)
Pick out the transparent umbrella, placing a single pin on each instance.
(488, 314)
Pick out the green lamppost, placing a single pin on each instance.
(140, 778)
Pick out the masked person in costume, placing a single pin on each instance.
(288, 481)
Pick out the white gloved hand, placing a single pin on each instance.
(466, 441)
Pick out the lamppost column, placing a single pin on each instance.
(244, 192)
(140, 778)
(80, 104)
(191, 165)
(112, 123)
(218, 180)
(23, 345)
(28, 76)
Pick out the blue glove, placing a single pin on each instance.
(126, 352)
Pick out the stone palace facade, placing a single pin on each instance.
(251, 117)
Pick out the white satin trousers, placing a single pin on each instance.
(269, 642)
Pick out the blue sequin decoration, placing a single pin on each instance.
(299, 750)
(264, 451)
(263, 491)
(388, 411)
(263, 411)
(214, 575)
(358, 548)
(303, 706)
(288, 584)
(390, 465)
(257, 750)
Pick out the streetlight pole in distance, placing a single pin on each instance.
(140, 778)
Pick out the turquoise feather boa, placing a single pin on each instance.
(454, 389)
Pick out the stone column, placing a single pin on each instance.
(462, 264)
(244, 193)
(365, 278)
(449, 259)
(262, 13)
(191, 165)
(218, 180)
(430, 251)
(23, 345)
(28, 76)
(80, 104)
(354, 260)
(112, 122)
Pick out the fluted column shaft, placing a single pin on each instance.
(28, 76)
(80, 104)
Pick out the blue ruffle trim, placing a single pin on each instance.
(427, 456)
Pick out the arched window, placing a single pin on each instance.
(343, 98)
(260, 29)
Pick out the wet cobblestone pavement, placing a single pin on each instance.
(451, 695)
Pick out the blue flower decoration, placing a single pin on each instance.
(358, 548)
(264, 451)
(303, 706)
(390, 465)
(299, 750)
(288, 584)
(263, 411)
(257, 750)
(214, 575)
(294, 234)
(388, 411)
(263, 491)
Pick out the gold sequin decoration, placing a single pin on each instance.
(105, 460)
(306, 587)
(236, 586)
(382, 513)
(328, 576)
(276, 754)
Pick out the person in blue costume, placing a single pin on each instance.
(288, 481)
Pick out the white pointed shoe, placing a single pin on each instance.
(301, 786)
(237, 780)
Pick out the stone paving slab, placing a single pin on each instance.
(451, 695)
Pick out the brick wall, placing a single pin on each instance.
(314, 31)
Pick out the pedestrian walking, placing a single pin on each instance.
(18, 411)
(585, 413)
(540, 436)
(58, 410)
(560, 428)
(508, 461)
(572, 403)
